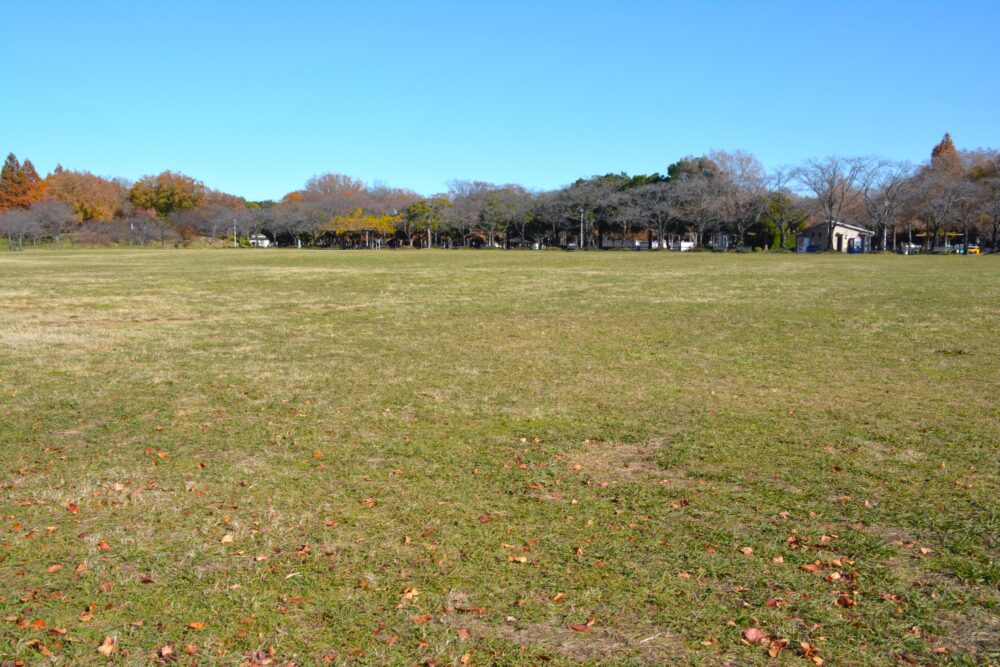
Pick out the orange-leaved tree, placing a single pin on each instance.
(20, 185)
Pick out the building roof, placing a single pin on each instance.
(837, 223)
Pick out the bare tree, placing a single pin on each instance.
(937, 200)
(985, 174)
(578, 204)
(699, 204)
(742, 185)
(548, 216)
(17, 225)
(835, 183)
(467, 200)
(54, 218)
(884, 186)
(626, 211)
(213, 220)
(657, 203)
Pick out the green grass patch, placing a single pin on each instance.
(501, 458)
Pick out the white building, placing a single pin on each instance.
(846, 238)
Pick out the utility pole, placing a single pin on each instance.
(581, 229)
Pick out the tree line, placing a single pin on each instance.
(698, 199)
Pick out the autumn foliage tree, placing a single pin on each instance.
(20, 185)
(360, 222)
(167, 192)
(945, 158)
(940, 192)
(91, 197)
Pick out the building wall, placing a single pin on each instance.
(817, 236)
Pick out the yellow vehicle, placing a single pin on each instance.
(972, 250)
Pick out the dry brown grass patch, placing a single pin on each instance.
(647, 644)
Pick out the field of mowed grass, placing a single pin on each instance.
(225, 457)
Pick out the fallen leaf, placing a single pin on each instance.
(80, 569)
(559, 597)
(420, 619)
(38, 646)
(86, 616)
(317, 454)
(191, 649)
(746, 551)
(777, 560)
(756, 636)
(775, 648)
(517, 559)
(810, 567)
(227, 538)
(584, 626)
(72, 507)
(470, 610)
(103, 546)
(54, 568)
(196, 625)
(464, 634)
(107, 648)
(845, 601)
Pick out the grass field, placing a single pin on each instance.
(498, 458)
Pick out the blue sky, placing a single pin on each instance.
(253, 98)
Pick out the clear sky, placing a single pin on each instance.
(253, 98)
